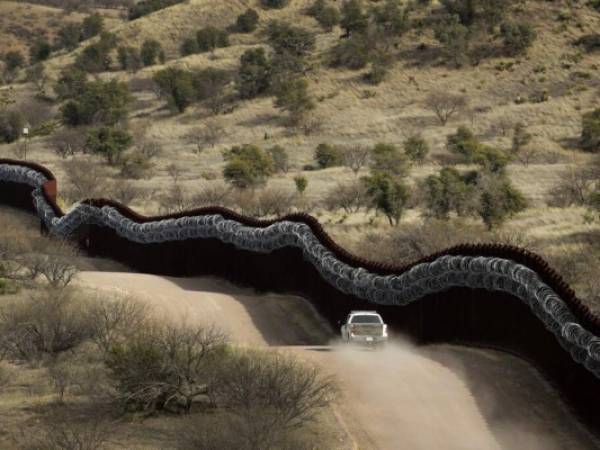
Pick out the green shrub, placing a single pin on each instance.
(464, 143)
(286, 38)
(354, 19)
(292, 96)
(274, 4)
(177, 84)
(102, 102)
(327, 15)
(247, 166)
(517, 37)
(386, 158)
(416, 148)
(11, 125)
(13, 60)
(590, 42)
(254, 73)
(189, 47)
(388, 194)
(352, 53)
(92, 26)
(71, 83)
(146, 7)
(69, 36)
(129, 58)
(247, 21)
(39, 51)
(109, 142)
(210, 38)
(96, 57)
(150, 52)
(499, 202)
(391, 18)
(327, 155)
(449, 192)
(590, 133)
(455, 39)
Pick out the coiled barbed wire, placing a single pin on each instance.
(445, 272)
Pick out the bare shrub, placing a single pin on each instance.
(67, 142)
(124, 191)
(214, 194)
(54, 259)
(59, 431)
(270, 395)
(137, 164)
(576, 185)
(350, 197)
(211, 133)
(175, 199)
(355, 157)
(265, 202)
(163, 367)
(87, 179)
(445, 105)
(44, 325)
(7, 374)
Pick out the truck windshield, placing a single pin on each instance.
(366, 318)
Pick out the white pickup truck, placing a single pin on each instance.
(365, 327)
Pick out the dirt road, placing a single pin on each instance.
(441, 397)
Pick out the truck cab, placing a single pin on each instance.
(364, 327)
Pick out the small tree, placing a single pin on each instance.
(210, 38)
(445, 105)
(520, 139)
(102, 102)
(290, 39)
(416, 148)
(351, 197)
(301, 184)
(247, 21)
(11, 125)
(518, 37)
(210, 134)
(449, 192)
(150, 51)
(96, 57)
(292, 96)
(327, 155)
(177, 84)
(388, 195)
(247, 166)
(189, 46)
(590, 133)
(499, 202)
(92, 26)
(67, 142)
(355, 157)
(386, 158)
(391, 18)
(254, 74)
(109, 142)
(492, 159)
(464, 143)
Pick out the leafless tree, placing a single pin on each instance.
(351, 197)
(116, 319)
(68, 142)
(576, 185)
(36, 74)
(175, 199)
(265, 202)
(355, 157)
(445, 105)
(174, 172)
(209, 134)
(87, 178)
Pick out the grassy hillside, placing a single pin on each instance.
(350, 111)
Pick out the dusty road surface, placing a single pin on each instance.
(439, 397)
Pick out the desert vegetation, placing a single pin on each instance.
(97, 364)
(377, 117)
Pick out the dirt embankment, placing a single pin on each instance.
(400, 397)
